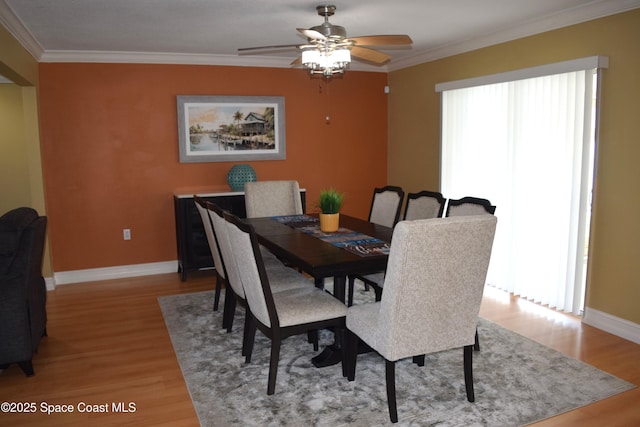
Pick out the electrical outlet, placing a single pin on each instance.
(126, 234)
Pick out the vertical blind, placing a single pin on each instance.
(525, 144)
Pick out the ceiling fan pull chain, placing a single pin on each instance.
(327, 117)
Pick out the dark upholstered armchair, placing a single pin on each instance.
(23, 293)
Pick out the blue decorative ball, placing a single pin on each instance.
(239, 174)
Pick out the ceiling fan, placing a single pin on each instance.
(328, 49)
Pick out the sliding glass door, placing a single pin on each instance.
(527, 145)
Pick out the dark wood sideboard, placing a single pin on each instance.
(193, 248)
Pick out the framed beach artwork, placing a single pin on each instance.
(231, 128)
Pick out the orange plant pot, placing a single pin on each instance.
(329, 223)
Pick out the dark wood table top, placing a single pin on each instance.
(321, 259)
(316, 257)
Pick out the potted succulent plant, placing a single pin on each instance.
(330, 203)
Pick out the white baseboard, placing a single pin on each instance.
(612, 324)
(598, 319)
(123, 271)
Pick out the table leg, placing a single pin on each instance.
(339, 285)
(332, 354)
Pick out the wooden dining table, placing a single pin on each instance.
(318, 258)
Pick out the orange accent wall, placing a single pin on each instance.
(110, 149)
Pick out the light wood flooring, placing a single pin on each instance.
(108, 345)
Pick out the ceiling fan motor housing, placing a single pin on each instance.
(331, 31)
(327, 29)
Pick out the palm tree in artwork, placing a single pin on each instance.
(237, 116)
(269, 118)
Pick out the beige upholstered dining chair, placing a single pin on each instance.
(278, 314)
(213, 247)
(386, 204)
(470, 206)
(235, 292)
(422, 205)
(271, 198)
(435, 279)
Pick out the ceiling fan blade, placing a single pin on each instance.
(251, 50)
(370, 55)
(382, 40)
(296, 61)
(312, 34)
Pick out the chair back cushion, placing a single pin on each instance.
(211, 237)
(386, 205)
(249, 262)
(434, 283)
(424, 205)
(272, 198)
(226, 251)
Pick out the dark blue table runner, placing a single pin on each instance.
(349, 240)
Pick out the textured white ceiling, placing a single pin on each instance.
(209, 31)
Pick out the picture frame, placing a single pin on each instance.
(231, 128)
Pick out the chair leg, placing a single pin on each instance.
(229, 311)
(216, 298)
(245, 332)
(27, 367)
(468, 372)
(476, 345)
(312, 337)
(341, 339)
(351, 354)
(378, 291)
(226, 309)
(273, 366)
(350, 296)
(250, 336)
(419, 360)
(390, 370)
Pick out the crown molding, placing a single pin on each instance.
(594, 10)
(161, 58)
(14, 25)
(181, 58)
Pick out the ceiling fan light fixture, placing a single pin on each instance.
(326, 62)
(339, 58)
(311, 58)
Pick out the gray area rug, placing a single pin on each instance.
(517, 381)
